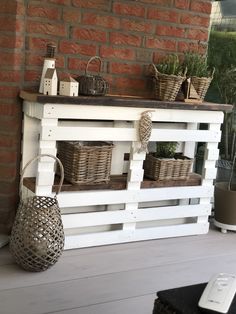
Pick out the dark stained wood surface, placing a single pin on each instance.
(123, 101)
(117, 182)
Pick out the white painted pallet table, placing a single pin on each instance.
(98, 217)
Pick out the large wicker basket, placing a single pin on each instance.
(92, 85)
(166, 86)
(167, 169)
(37, 236)
(86, 162)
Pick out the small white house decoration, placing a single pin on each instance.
(50, 82)
(69, 87)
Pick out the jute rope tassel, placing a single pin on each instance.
(145, 130)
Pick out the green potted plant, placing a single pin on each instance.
(168, 77)
(166, 164)
(199, 76)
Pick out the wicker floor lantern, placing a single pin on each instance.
(37, 237)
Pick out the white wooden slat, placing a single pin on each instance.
(84, 198)
(124, 216)
(112, 237)
(128, 134)
(33, 109)
(28, 148)
(67, 111)
(212, 154)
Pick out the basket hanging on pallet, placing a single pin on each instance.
(86, 162)
(166, 86)
(167, 169)
(92, 85)
(37, 237)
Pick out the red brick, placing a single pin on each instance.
(119, 53)
(163, 15)
(71, 47)
(172, 31)
(182, 4)
(44, 11)
(10, 109)
(198, 34)
(77, 64)
(11, 41)
(89, 34)
(8, 91)
(32, 76)
(80, 65)
(10, 76)
(61, 2)
(158, 56)
(92, 4)
(8, 24)
(36, 60)
(8, 7)
(10, 124)
(7, 188)
(124, 68)
(53, 29)
(9, 58)
(137, 26)
(201, 6)
(191, 46)
(129, 9)
(165, 3)
(125, 39)
(195, 20)
(165, 44)
(101, 20)
(7, 141)
(127, 83)
(71, 15)
(38, 43)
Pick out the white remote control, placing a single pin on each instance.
(219, 293)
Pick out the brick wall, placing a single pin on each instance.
(127, 35)
(11, 78)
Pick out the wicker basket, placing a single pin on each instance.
(92, 85)
(86, 162)
(201, 85)
(167, 169)
(37, 237)
(166, 86)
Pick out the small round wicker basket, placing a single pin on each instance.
(37, 237)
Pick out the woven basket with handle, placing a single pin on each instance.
(92, 85)
(166, 86)
(37, 237)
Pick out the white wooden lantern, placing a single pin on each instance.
(69, 87)
(50, 82)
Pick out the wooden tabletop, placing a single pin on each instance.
(123, 101)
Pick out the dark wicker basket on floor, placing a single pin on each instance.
(86, 162)
(92, 85)
(166, 86)
(167, 169)
(37, 237)
(161, 308)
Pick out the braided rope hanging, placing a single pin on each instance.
(145, 130)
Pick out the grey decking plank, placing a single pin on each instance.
(83, 292)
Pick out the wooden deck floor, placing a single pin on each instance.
(115, 279)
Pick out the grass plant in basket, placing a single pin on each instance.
(168, 77)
